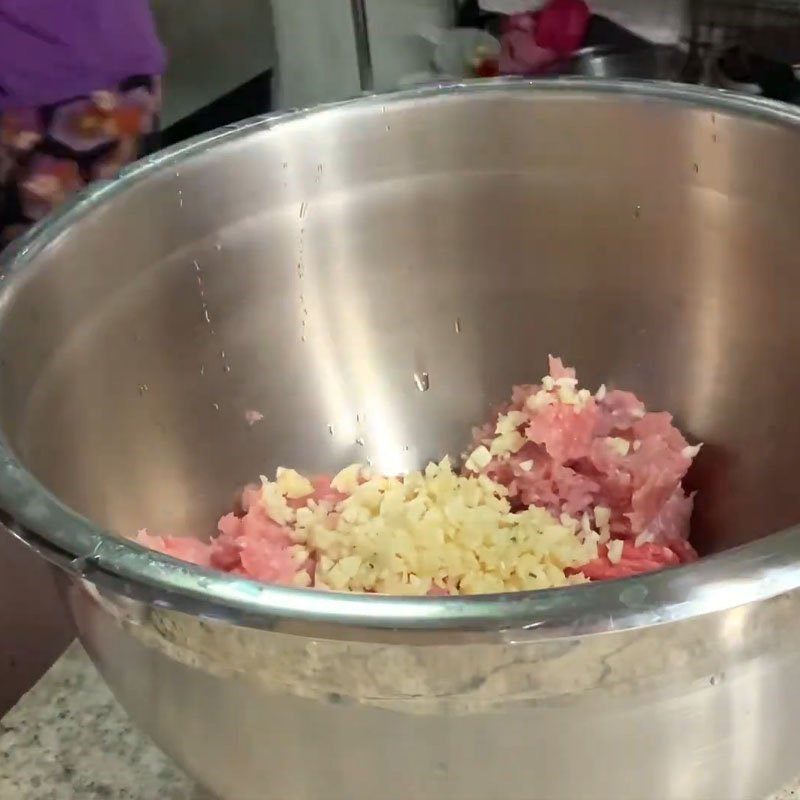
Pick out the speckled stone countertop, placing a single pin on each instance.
(68, 739)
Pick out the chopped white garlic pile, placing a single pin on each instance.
(431, 530)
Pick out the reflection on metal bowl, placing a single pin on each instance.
(644, 63)
(307, 266)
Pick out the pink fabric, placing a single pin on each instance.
(561, 26)
(532, 41)
(46, 155)
(520, 54)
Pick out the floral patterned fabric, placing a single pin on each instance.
(48, 153)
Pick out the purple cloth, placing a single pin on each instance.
(53, 50)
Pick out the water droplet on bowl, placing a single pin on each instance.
(215, 406)
(458, 325)
(143, 388)
(330, 430)
(360, 441)
(637, 212)
(218, 246)
(422, 381)
(696, 167)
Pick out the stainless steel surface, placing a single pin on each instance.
(307, 267)
(662, 63)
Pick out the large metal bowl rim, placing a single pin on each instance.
(757, 571)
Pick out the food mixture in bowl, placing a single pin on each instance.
(560, 486)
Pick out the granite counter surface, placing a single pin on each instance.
(68, 739)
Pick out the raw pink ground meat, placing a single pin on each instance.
(573, 472)
(250, 543)
(634, 561)
(183, 548)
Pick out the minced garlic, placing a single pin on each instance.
(273, 498)
(292, 484)
(620, 446)
(507, 443)
(478, 459)
(615, 550)
(602, 521)
(438, 530)
(347, 480)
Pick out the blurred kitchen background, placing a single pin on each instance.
(232, 59)
(243, 57)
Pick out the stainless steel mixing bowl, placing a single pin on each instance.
(651, 62)
(307, 267)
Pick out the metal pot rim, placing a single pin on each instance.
(750, 573)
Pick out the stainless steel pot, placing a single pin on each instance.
(307, 266)
(648, 62)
